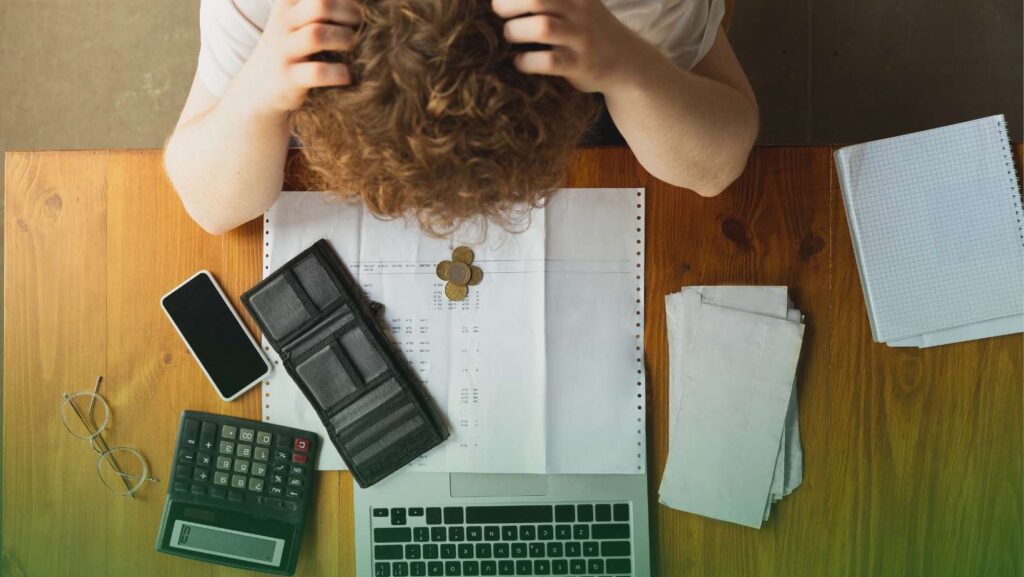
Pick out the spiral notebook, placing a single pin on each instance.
(938, 233)
(539, 370)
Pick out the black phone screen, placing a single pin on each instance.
(218, 340)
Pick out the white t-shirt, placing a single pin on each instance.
(683, 30)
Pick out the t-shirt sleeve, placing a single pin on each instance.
(228, 34)
(694, 31)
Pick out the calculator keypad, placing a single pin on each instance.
(242, 464)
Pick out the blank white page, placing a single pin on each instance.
(935, 218)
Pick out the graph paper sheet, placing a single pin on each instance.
(935, 218)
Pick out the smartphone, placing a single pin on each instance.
(218, 340)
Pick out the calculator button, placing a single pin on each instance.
(258, 469)
(238, 481)
(187, 456)
(191, 434)
(293, 493)
(281, 455)
(291, 506)
(181, 486)
(197, 490)
(262, 438)
(204, 459)
(224, 463)
(255, 485)
(241, 466)
(276, 490)
(277, 478)
(228, 432)
(297, 482)
(227, 448)
(297, 470)
(298, 458)
(221, 478)
(201, 475)
(301, 445)
(261, 453)
(283, 442)
(279, 466)
(218, 493)
(207, 435)
(235, 495)
(184, 471)
(244, 451)
(246, 435)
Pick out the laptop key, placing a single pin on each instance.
(447, 551)
(584, 513)
(435, 568)
(577, 566)
(509, 514)
(595, 566)
(565, 513)
(590, 549)
(524, 567)
(620, 512)
(438, 534)
(474, 533)
(453, 515)
(492, 533)
(573, 549)
(400, 569)
(417, 569)
(545, 532)
(415, 511)
(471, 568)
(615, 548)
(506, 568)
(387, 552)
(554, 549)
(509, 533)
(542, 567)
(456, 534)
(382, 570)
(560, 567)
(430, 551)
(518, 550)
(453, 568)
(563, 532)
(483, 550)
(398, 516)
(536, 550)
(488, 568)
(618, 567)
(527, 533)
(392, 535)
(501, 550)
(612, 531)
(580, 532)
(413, 552)
(465, 551)
(380, 512)
(433, 516)
(421, 535)
(603, 513)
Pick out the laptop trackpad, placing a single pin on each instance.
(488, 485)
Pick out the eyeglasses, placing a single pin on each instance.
(86, 415)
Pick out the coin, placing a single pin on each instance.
(442, 269)
(459, 273)
(455, 292)
(463, 254)
(476, 274)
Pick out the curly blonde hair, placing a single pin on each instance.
(439, 124)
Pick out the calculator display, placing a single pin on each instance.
(227, 543)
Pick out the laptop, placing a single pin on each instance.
(478, 524)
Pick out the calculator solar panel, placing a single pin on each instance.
(238, 492)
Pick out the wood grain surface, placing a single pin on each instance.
(913, 458)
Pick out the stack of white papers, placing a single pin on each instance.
(734, 436)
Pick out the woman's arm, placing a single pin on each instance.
(691, 129)
(226, 156)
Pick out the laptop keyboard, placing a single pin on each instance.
(591, 539)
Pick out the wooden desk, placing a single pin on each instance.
(913, 458)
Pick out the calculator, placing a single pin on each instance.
(238, 492)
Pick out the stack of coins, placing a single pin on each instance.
(460, 273)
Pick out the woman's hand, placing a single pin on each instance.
(280, 71)
(591, 48)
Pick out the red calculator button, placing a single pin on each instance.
(297, 458)
(301, 445)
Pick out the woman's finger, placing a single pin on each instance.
(516, 8)
(314, 38)
(559, 61)
(305, 12)
(319, 74)
(541, 29)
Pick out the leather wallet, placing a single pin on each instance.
(376, 411)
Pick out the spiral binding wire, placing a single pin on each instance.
(1011, 170)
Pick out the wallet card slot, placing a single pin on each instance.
(375, 426)
(333, 325)
(364, 354)
(317, 282)
(307, 302)
(364, 405)
(326, 375)
(279, 308)
(390, 443)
